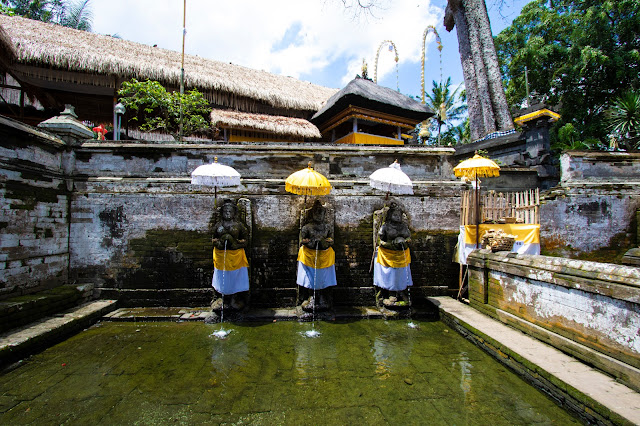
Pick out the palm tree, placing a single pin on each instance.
(624, 118)
(75, 14)
(39, 10)
(448, 105)
(78, 15)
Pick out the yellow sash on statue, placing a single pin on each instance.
(232, 260)
(393, 258)
(325, 258)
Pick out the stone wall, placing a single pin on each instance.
(33, 210)
(592, 213)
(141, 231)
(590, 310)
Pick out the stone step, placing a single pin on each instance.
(589, 393)
(22, 342)
(20, 310)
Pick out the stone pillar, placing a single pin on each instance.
(68, 128)
(536, 122)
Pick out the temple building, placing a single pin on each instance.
(365, 113)
(46, 66)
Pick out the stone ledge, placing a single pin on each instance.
(25, 341)
(625, 373)
(592, 395)
(615, 281)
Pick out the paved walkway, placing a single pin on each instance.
(597, 391)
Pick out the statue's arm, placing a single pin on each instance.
(382, 234)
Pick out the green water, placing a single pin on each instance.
(362, 372)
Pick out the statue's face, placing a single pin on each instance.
(318, 215)
(396, 216)
(227, 212)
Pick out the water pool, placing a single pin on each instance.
(360, 372)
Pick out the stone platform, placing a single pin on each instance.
(594, 396)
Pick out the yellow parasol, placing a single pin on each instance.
(477, 166)
(473, 168)
(307, 182)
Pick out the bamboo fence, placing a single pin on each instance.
(521, 207)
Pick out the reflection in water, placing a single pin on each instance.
(392, 352)
(365, 372)
(465, 374)
(314, 357)
(229, 355)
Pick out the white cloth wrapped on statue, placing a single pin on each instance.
(316, 268)
(392, 270)
(230, 271)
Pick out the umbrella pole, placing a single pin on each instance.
(215, 203)
(477, 214)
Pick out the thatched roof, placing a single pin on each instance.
(365, 93)
(48, 45)
(265, 123)
(7, 51)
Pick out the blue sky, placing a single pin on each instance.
(315, 40)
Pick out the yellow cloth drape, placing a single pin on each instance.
(232, 260)
(393, 258)
(325, 258)
(527, 233)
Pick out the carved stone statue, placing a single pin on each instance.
(316, 258)
(230, 275)
(391, 272)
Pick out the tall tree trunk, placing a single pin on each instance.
(478, 9)
(455, 16)
(478, 63)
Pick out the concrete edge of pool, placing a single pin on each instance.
(590, 394)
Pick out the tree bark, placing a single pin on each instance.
(475, 110)
(482, 80)
(478, 9)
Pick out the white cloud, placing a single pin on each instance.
(321, 36)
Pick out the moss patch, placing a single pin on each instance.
(168, 259)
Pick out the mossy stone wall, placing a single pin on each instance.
(34, 249)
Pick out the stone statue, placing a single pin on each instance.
(391, 272)
(230, 274)
(316, 258)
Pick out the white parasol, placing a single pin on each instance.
(391, 180)
(216, 175)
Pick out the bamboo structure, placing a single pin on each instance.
(518, 207)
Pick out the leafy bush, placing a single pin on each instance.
(159, 110)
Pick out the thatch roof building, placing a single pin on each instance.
(62, 65)
(242, 126)
(366, 113)
(7, 51)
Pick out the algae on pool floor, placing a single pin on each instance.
(363, 372)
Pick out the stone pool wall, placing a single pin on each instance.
(34, 229)
(584, 308)
(592, 213)
(141, 231)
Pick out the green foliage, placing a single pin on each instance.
(159, 110)
(623, 118)
(74, 14)
(449, 107)
(39, 10)
(78, 15)
(580, 55)
(568, 139)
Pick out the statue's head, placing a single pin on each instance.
(318, 212)
(394, 214)
(228, 209)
